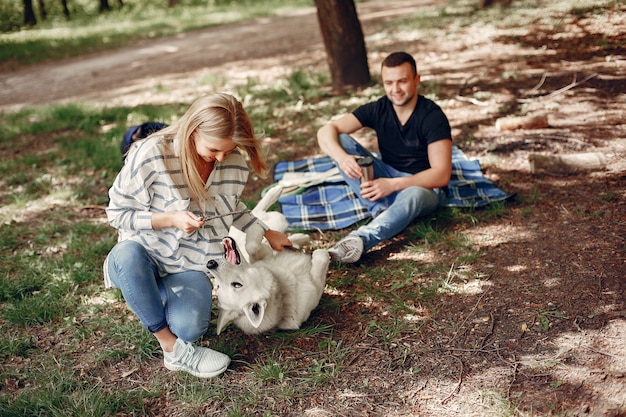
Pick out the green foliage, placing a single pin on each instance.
(134, 338)
(51, 269)
(52, 253)
(63, 395)
(12, 345)
(88, 31)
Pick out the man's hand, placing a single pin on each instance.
(350, 167)
(377, 188)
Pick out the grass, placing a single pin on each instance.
(73, 349)
(88, 31)
(50, 280)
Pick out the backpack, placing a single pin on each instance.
(135, 133)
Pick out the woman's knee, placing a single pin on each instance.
(127, 251)
(129, 260)
(189, 328)
(189, 301)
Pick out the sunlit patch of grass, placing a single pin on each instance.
(87, 31)
(50, 272)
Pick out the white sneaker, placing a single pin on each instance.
(348, 250)
(197, 360)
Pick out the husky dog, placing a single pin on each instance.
(277, 291)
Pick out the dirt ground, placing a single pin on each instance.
(547, 320)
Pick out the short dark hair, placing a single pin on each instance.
(398, 58)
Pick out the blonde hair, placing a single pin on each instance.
(217, 117)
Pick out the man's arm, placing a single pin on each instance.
(438, 175)
(328, 140)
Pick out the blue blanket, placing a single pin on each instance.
(331, 205)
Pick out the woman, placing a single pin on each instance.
(172, 203)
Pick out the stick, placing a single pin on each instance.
(458, 385)
(469, 315)
(571, 85)
(219, 216)
(472, 100)
(538, 86)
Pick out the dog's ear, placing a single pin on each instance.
(255, 311)
(224, 318)
(231, 253)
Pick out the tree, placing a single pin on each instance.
(344, 43)
(66, 10)
(42, 10)
(105, 7)
(487, 3)
(29, 14)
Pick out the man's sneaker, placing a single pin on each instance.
(348, 250)
(197, 360)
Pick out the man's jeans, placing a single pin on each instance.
(180, 301)
(395, 212)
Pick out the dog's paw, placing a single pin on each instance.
(320, 255)
(321, 258)
(299, 239)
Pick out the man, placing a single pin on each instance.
(415, 144)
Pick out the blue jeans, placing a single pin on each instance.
(395, 212)
(180, 301)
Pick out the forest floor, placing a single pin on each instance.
(549, 326)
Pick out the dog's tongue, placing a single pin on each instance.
(230, 251)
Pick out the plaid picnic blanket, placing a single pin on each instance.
(331, 205)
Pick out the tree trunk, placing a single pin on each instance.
(104, 6)
(487, 3)
(29, 14)
(66, 10)
(344, 43)
(42, 10)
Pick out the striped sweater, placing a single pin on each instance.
(145, 186)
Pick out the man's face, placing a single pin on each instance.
(400, 83)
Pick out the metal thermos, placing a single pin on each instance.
(367, 167)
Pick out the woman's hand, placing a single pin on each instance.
(277, 240)
(183, 220)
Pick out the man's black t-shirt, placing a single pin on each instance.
(405, 147)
